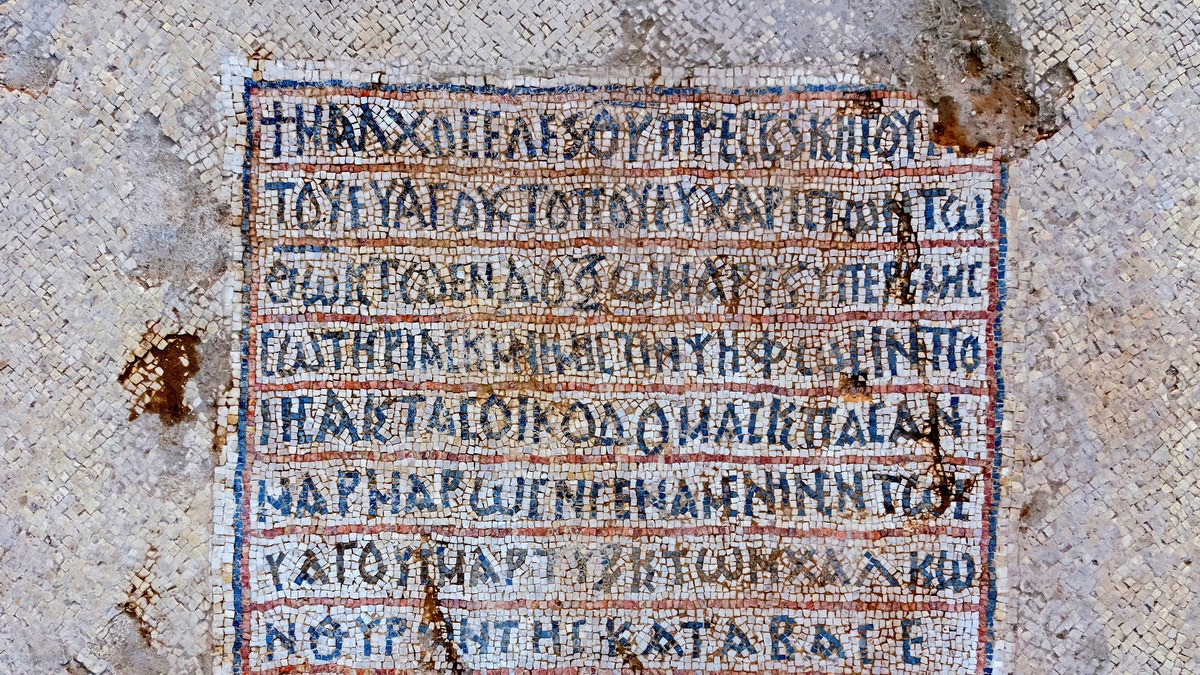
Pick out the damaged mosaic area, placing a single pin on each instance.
(615, 377)
(123, 141)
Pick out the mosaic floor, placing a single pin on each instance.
(583, 338)
(528, 381)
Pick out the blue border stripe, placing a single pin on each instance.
(993, 516)
(244, 393)
(522, 90)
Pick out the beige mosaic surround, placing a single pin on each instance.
(120, 240)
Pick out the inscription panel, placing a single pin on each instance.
(613, 378)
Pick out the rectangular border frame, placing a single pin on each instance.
(996, 304)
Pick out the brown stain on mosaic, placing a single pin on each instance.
(141, 596)
(949, 131)
(433, 616)
(867, 104)
(985, 96)
(907, 258)
(854, 388)
(220, 427)
(629, 657)
(159, 376)
(943, 481)
(133, 610)
(968, 64)
(908, 254)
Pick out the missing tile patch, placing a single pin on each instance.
(969, 65)
(156, 376)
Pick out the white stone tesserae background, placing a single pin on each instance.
(570, 337)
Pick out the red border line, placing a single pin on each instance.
(769, 666)
(682, 243)
(665, 459)
(616, 388)
(743, 602)
(732, 320)
(635, 93)
(614, 530)
(376, 163)
(650, 321)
